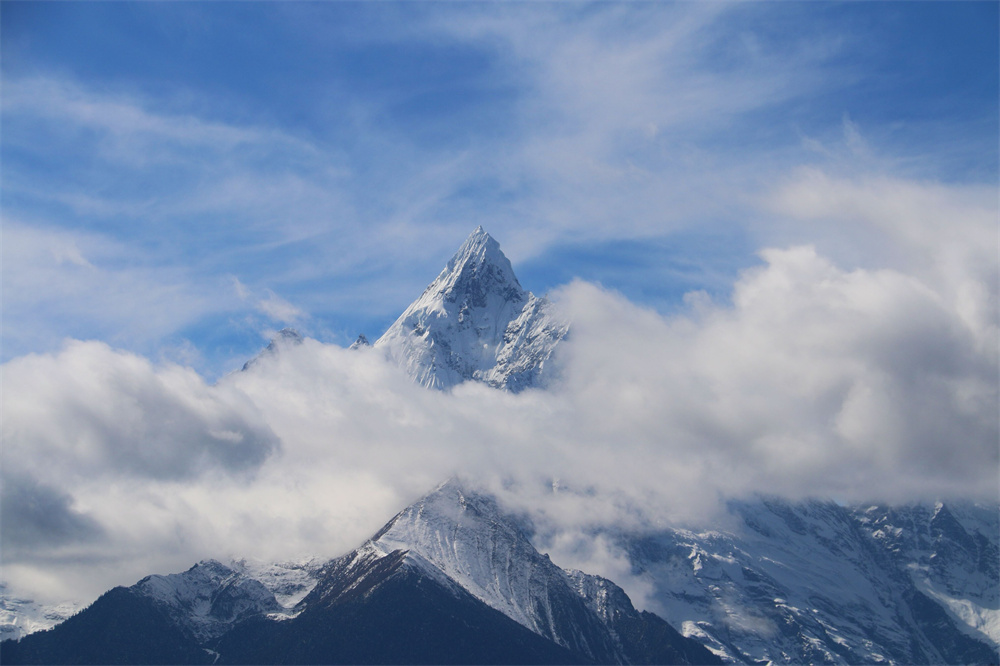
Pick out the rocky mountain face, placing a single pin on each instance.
(816, 582)
(468, 538)
(475, 322)
(210, 597)
(950, 553)
(451, 579)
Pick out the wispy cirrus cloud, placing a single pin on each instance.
(559, 125)
(62, 282)
(126, 129)
(125, 221)
(189, 201)
(630, 120)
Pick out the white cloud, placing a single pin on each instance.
(855, 141)
(945, 235)
(90, 412)
(816, 380)
(183, 201)
(274, 307)
(241, 289)
(627, 121)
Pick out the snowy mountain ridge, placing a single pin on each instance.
(468, 538)
(210, 597)
(951, 553)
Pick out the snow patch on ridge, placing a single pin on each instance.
(209, 597)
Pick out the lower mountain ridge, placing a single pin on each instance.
(451, 579)
(455, 579)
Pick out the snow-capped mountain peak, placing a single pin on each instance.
(463, 538)
(475, 321)
(361, 342)
(467, 538)
(477, 270)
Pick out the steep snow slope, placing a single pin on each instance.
(463, 541)
(475, 322)
(375, 608)
(289, 582)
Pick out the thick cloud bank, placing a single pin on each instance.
(90, 411)
(854, 384)
(815, 379)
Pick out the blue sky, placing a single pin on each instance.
(181, 179)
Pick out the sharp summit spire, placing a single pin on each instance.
(475, 322)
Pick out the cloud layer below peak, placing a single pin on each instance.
(813, 380)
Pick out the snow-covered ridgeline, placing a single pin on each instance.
(288, 581)
(798, 582)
